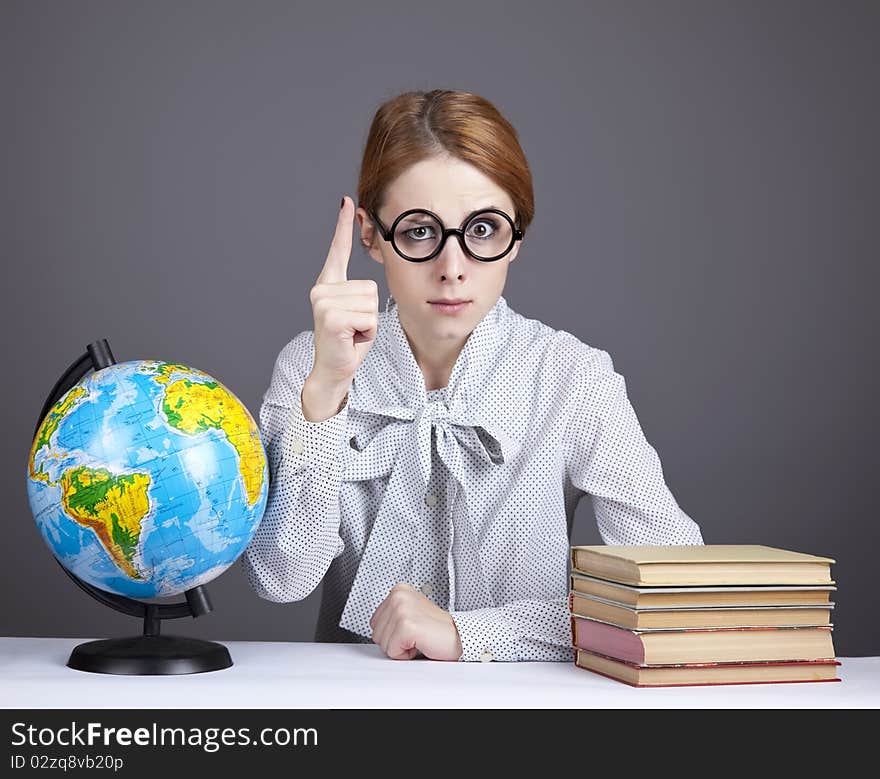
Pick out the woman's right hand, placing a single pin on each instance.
(346, 319)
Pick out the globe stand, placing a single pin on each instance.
(151, 653)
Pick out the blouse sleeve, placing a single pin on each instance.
(298, 536)
(522, 630)
(608, 456)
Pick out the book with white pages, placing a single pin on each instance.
(706, 629)
(702, 596)
(680, 617)
(828, 605)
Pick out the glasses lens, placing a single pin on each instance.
(487, 235)
(417, 235)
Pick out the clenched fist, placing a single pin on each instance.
(346, 319)
(406, 623)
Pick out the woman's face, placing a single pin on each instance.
(452, 189)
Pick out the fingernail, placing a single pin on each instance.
(342, 202)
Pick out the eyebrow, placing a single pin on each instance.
(416, 217)
(485, 208)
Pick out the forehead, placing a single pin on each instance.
(449, 187)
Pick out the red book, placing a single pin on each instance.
(664, 646)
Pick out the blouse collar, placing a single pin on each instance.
(390, 375)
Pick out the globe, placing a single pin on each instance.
(147, 478)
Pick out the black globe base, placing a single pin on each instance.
(150, 656)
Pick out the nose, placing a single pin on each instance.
(452, 261)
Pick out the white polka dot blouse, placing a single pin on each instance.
(466, 492)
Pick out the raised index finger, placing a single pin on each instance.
(336, 265)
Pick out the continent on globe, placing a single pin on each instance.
(48, 428)
(195, 407)
(112, 506)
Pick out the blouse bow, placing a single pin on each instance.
(402, 446)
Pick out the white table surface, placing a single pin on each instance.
(33, 674)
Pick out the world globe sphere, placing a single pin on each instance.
(147, 478)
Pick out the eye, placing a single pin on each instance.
(483, 228)
(420, 233)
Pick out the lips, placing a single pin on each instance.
(450, 302)
(449, 307)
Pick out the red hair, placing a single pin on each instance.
(417, 125)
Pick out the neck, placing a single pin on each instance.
(435, 358)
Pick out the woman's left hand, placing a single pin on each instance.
(406, 622)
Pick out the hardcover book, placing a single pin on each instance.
(702, 645)
(674, 597)
(694, 674)
(590, 606)
(710, 564)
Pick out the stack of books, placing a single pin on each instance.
(655, 616)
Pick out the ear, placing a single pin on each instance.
(369, 232)
(514, 251)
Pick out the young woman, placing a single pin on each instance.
(427, 460)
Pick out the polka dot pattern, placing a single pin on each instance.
(466, 492)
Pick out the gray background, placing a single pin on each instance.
(706, 192)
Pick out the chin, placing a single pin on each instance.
(453, 331)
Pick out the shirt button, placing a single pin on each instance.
(431, 499)
(486, 657)
(427, 588)
(297, 446)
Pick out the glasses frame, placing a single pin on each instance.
(388, 234)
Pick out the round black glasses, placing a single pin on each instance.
(419, 235)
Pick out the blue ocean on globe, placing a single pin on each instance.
(147, 478)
